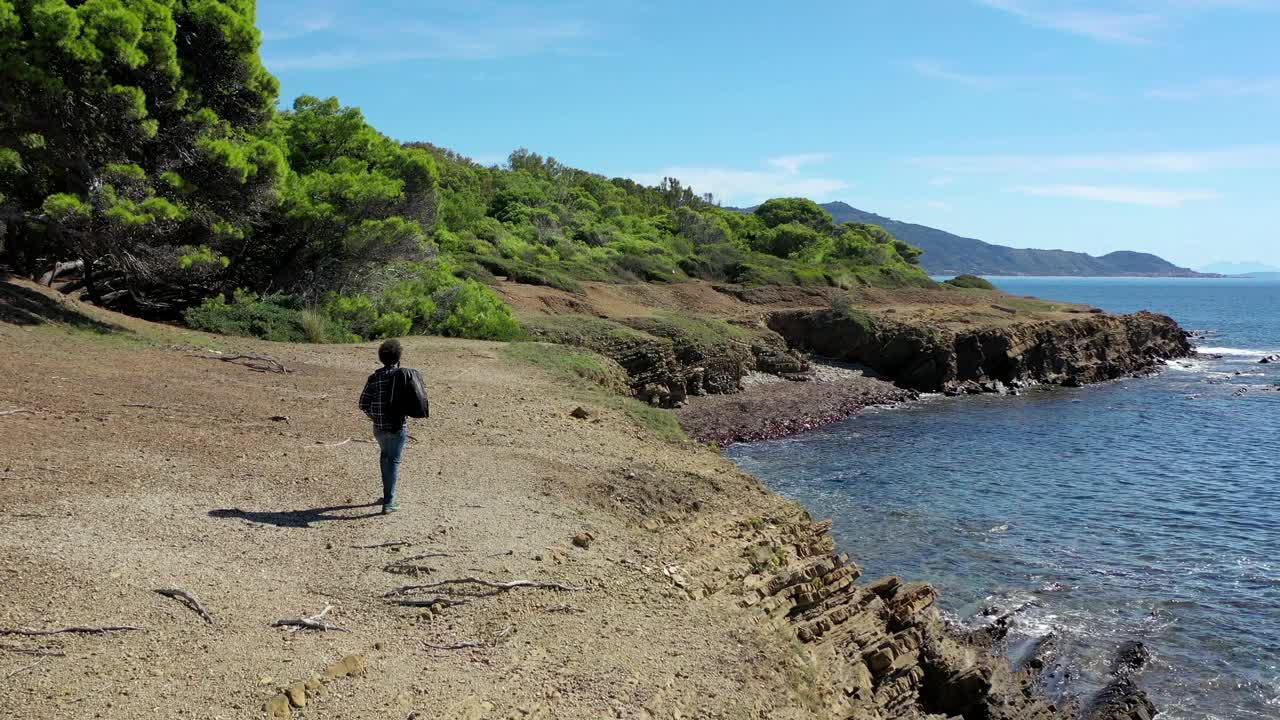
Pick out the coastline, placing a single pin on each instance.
(745, 605)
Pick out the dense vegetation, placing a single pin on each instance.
(140, 144)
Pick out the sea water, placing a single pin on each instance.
(1141, 509)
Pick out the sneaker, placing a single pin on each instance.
(388, 509)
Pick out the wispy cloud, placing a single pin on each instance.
(937, 71)
(1174, 161)
(1220, 88)
(791, 164)
(782, 178)
(297, 27)
(1130, 22)
(1103, 24)
(1151, 197)
(334, 40)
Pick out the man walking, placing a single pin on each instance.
(389, 428)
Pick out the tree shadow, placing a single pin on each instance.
(23, 306)
(296, 518)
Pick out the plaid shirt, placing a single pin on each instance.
(375, 399)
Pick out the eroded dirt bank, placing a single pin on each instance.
(137, 463)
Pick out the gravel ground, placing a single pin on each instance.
(768, 409)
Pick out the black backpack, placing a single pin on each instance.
(409, 394)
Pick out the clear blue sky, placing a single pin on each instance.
(1094, 125)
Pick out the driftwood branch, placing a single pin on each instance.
(396, 544)
(426, 602)
(340, 443)
(81, 630)
(188, 599)
(493, 585)
(37, 652)
(315, 622)
(260, 363)
(15, 411)
(59, 268)
(490, 588)
(408, 566)
(455, 646)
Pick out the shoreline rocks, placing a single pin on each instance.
(1087, 349)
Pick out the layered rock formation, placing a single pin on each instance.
(869, 651)
(1092, 347)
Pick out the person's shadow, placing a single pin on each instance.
(296, 518)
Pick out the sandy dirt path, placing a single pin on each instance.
(142, 466)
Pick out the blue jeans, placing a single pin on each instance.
(392, 444)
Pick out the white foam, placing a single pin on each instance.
(1235, 352)
(1186, 365)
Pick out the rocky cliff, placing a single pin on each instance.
(1092, 347)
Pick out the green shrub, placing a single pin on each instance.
(391, 325)
(523, 272)
(472, 310)
(647, 268)
(270, 318)
(356, 312)
(971, 282)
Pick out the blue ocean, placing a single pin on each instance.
(1142, 509)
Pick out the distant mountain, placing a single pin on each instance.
(1239, 268)
(947, 254)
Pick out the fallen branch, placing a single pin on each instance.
(342, 442)
(496, 587)
(144, 405)
(315, 622)
(455, 646)
(406, 566)
(189, 600)
(37, 652)
(83, 630)
(397, 544)
(259, 363)
(426, 602)
(15, 411)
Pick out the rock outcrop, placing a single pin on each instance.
(871, 651)
(669, 358)
(1090, 348)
